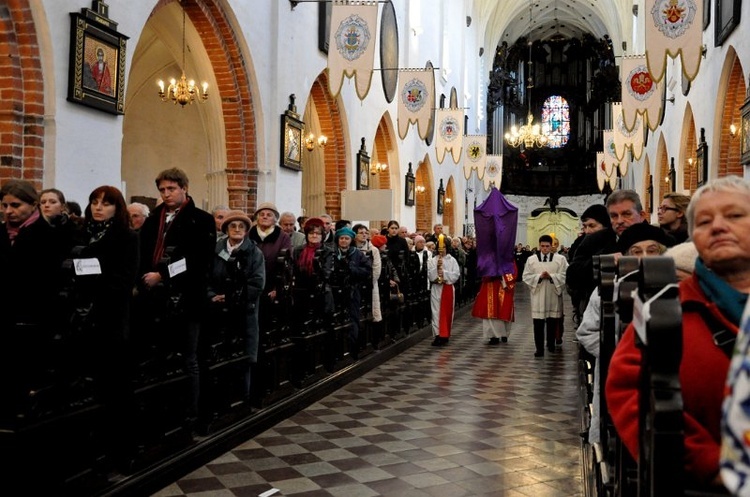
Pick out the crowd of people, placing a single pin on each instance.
(165, 271)
(116, 272)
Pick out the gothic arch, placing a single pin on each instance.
(326, 177)
(226, 167)
(687, 162)
(731, 95)
(22, 107)
(662, 164)
(449, 209)
(426, 196)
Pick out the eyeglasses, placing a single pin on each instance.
(662, 208)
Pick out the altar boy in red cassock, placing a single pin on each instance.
(443, 272)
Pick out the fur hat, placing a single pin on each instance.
(684, 255)
(640, 233)
(598, 213)
(236, 216)
(379, 240)
(345, 231)
(312, 223)
(267, 206)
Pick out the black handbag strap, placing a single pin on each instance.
(723, 337)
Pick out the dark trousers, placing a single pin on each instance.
(539, 333)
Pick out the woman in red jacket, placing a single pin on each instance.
(712, 299)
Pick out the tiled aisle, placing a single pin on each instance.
(465, 420)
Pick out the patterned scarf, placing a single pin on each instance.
(730, 301)
(97, 229)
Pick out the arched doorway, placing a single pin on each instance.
(215, 142)
(324, 174)
(449, 209)
(424, 197)
(730, 101)
(688, 164)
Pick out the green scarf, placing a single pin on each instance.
(730, 301)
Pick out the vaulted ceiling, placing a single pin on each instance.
(508, 20)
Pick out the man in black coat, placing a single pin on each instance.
(177, 246)
(625, 209)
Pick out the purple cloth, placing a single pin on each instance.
(496, 222)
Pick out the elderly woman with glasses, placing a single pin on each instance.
(712, 301)
(238, 275)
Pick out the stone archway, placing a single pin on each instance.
(22, 106)
(227, 165)
(326, 176)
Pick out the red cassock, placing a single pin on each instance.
(494, 301)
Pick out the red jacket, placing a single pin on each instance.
(703, 373)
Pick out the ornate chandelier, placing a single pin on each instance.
(183, 92)
(529, 135)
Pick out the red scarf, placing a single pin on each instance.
(307, 256)
(162, 235)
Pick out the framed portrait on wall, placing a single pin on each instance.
(727, 19)
(96, 74)
(701, 160)
(745, 132)
(409, 189)
(291, 141)
(363, 168)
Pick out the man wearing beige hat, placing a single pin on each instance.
(271, 240)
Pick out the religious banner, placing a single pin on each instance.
(674, 28)
(493, 172)
(450, 123)
(626, 139)
(351, 46)
(475, 155)
(605, 172)
(600, 166)
(640, 93)
(416, 100)
(610, 158)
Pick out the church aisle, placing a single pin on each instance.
(467, 419)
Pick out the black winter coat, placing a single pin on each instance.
(192, 235)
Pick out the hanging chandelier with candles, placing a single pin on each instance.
(529, 135)
(184, 91)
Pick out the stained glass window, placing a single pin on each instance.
(556, 121)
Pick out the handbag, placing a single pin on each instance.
(396, 296)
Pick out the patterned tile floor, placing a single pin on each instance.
(468, 419)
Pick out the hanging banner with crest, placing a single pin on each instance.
(640, 93)
(416, 100)
(475, 155)
(613, 162)
(493, 172)
(351, 45)
(449, 126)
(674, 28)
(604, 172)
(626, 140)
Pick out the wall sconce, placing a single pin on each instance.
(378, 167)
(691, 163)
(310, 141)
(733, 130)
(420, 188)
(448, 200)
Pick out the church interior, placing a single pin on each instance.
(430, 106)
